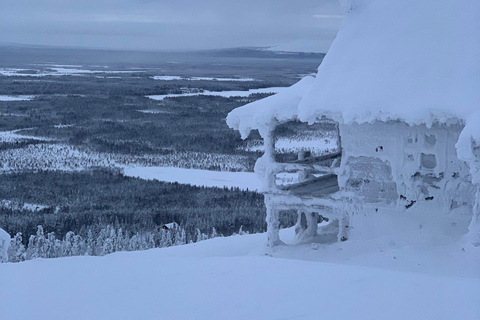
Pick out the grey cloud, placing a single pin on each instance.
(165, 24)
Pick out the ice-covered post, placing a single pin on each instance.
(269, 158)
(474, 227)
(273, 223)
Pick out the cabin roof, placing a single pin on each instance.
(262, 114)
(410, 60)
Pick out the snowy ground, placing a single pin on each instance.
(235, 278)
(196, 177)
(155, 111)
(226, 94)
(14, 136)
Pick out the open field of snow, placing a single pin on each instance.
(167, 78)
(226, 94)
(16, 98)
(235, 278)
(155, 111)
(13, 136)
(196, 177)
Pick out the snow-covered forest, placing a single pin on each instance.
(69, 148)
(106, 241)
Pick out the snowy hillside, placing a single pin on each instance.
(234, 278)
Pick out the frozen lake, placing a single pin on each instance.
(226, 94)
(16, 98)
(196, 177)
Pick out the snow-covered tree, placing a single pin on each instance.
(50, 249)
(68, 244)
(16, 251)
(78, 247)
(90, 244)
(120, 241)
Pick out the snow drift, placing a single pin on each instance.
(233, 278)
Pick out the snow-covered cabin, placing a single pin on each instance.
(169, 226)
(4, 245)
(389, 127)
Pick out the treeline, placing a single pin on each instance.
(79, 201)
(105, 241)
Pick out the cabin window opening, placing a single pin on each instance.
(430, 139)
(299, 142)
(306, 156)
(428, 161)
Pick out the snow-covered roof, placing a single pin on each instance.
(412, 60)
(261, 114)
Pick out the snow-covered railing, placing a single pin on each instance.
(310, 175)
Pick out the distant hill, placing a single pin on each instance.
(11, 54)
(303, 46)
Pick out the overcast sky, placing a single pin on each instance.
(168, 24)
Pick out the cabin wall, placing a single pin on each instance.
(409, 166)
(388, 168)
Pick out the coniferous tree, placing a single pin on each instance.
(120, 242)
(90, 244)
(16, 251)
(78, 246)
(68, 244)
(50, 246)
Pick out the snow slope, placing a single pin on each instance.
(196, 177)
(233, 278)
